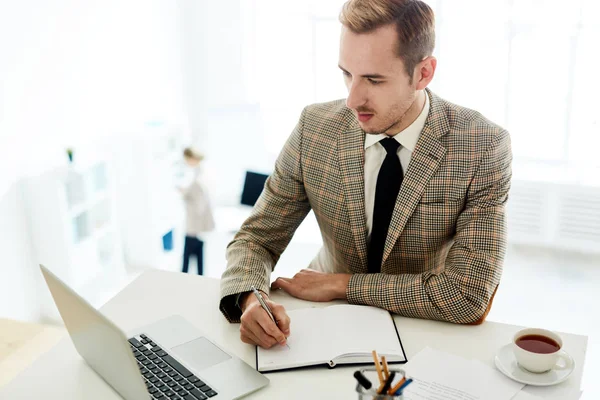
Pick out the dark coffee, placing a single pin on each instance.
(538, 344)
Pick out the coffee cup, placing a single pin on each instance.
(539, 350)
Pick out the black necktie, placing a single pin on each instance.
(388, 185)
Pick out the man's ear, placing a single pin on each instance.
(424, 72)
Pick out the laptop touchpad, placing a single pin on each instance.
(200, 353)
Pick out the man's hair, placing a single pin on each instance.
(189, 152)
(414, 21)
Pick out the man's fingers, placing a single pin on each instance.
(277, 284)
(283, 283)
(283, 320)
(252, 330)
(310, 272)
(257, 326)
(291, 286)
(249, 337)
(270, 329)
(256, 320)
(266, 339)
(259, 336)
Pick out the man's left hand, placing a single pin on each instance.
(312, 285)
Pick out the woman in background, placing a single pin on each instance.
(198, 213)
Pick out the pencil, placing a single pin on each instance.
(386, 372)
(378, 368)
(396, 386)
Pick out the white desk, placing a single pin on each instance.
(62, 374)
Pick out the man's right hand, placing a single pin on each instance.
(256, 325)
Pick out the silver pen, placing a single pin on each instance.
(264, 305)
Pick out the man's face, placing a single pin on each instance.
(379, 91)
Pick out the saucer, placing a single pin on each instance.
(507, 364)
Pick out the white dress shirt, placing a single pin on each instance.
(375, 154)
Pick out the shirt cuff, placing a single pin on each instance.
(237, 300)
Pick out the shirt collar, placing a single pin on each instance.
(409, 136)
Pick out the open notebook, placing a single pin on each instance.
(340, 334)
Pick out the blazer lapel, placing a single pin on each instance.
(425, 161)
(351, 153)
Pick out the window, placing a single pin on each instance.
(527, 65)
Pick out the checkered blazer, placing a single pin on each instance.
(447, 238)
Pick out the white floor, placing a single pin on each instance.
(539, 288)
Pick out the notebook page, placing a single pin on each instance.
(306, 344)
(362, 329)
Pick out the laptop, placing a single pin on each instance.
(168, 359)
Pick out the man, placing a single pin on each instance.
(408, 189)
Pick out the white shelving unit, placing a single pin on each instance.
(73, 225)
(150, 207)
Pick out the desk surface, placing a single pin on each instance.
(62, 374)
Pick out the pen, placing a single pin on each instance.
(386, 386)
(363, 380)
(262, 303)
(265, 307)
(404, 385)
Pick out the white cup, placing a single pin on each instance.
(538, 362)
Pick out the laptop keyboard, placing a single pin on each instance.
(165, 377)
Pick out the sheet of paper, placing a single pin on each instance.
(564, 395)
(503, 386)
(426, 390)
(441, 376)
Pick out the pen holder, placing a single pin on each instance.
(371, 394)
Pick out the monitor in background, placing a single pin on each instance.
(253, 186)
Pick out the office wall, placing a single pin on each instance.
(224, 118)
(18, 297)
(74, 73)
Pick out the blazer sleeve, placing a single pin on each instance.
(278, 212)
(473, 266)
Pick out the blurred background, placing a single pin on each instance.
(126, 85)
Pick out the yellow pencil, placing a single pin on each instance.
(386, 371)
(396, 386)
(378, 368)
